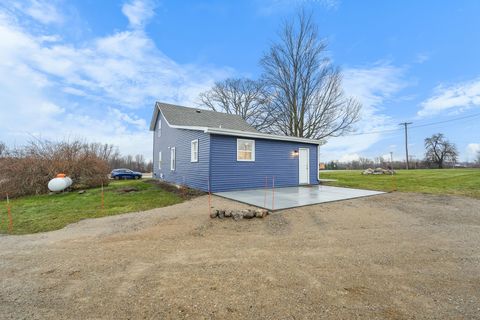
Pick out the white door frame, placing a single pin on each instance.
(308, 166)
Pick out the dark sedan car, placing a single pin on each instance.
(118, 174)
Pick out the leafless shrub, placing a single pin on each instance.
(27, 170)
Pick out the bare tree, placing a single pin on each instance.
(379, 161)
(478, 157)
(365, 162)
(3, 149)
(244, 97)
(103, 151)
(307, 95)
(439, 150)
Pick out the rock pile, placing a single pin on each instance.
(239, 214)
(378, 171)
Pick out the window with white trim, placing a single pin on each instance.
(160, 160)
(245, 150)
(194, 151)
(173, 159)
(159, 127)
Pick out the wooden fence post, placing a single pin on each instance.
(265, 195)
(209, 198)
(10, 219)
(273, 193)
(102, 199)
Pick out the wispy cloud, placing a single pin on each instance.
(373, 86)
(422, 57)
(138, 12)
(56, 88)
(44, 12)
(458, 97)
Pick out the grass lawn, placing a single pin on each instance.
(463, 182)
(33, 214)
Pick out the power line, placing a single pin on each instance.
(445, 121)
(413, 127)
(371, 132)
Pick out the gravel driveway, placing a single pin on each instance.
(393, 256)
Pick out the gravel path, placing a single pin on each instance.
(393, 256)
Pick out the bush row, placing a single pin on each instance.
(26, 170)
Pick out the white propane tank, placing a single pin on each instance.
(60, 183)
(69, 181)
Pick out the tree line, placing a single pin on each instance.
(439, 153)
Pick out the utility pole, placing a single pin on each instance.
(405, 124)
(391, 160)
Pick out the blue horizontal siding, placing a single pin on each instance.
(273, 158)
(192, 174)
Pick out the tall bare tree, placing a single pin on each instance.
(307, 96)
(478, 157)
(439, 150)
(240, 96)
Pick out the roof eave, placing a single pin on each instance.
(153, 121)
(238, 133)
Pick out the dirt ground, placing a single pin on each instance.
(392, 256)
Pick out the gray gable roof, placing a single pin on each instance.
(191, 117)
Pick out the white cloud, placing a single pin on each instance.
(57, 89)
(473, 150)
(138, 12)
(373, 87)
(457, 97)
(44, 11)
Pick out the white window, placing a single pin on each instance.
(159, 127)
(245, 150)
(194, 151)
(160, 160)
(173, 160)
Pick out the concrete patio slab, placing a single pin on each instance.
(291, 197)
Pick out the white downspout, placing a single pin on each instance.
(318, 163)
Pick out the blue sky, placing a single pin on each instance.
(93, 69)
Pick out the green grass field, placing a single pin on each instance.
(50, 212)
(463, 182)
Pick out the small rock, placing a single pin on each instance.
(81, 192)
(237, 216)
(248, 214)
(261, 213)
(228, 213)
(221, 214)
(214, 214)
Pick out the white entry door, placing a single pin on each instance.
(303, 166)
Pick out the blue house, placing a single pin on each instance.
(215, 151)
